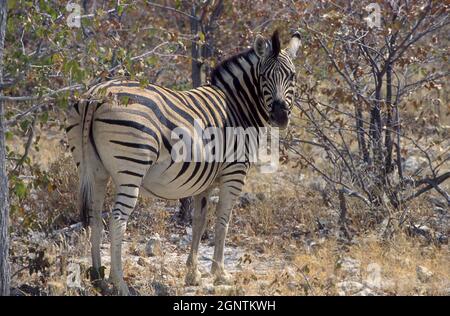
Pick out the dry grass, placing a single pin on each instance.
(286, 242)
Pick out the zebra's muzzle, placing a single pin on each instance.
(279, 116)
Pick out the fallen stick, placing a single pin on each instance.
(74, 227)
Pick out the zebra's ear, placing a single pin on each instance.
(276, 45)
(294, 45)
(261, 46)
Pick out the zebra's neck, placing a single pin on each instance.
(238, 78)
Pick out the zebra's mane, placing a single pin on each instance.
(228, 62)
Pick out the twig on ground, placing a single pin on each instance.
(74, 227)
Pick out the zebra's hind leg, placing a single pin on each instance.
(96, 226)
(126, 199)
(193, 276)
(227, 199)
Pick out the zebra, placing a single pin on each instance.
(120, 129)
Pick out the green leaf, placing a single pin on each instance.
(9, 135)
(43, 118)
(124, 100)
(20, 189)
(201, 36)
(144, 82)
(152, 60)
(120, 9)
(24, 125)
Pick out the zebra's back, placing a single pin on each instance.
(130, 129)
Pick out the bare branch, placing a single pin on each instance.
(41, 97)
(173, 10)
(431, 183)
(24, 114)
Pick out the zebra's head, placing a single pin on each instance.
(277, 77)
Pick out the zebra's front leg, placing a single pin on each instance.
(227, 199)
(193, 276)
(126, 199)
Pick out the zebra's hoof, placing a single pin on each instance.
(193, 278)
(223, 278)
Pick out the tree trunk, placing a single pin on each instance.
(361, 133)
(389, 122)
(399, 150)
(376, 127)
(388, 138)
(186, 204)
(185, 214)
(210, 28)
(376, 134)
(195, 51)
(4, 206)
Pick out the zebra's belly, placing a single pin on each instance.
(177, 180)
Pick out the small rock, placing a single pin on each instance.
(442, 238)
(420, 230)
(141, 262)
(161, 289)
(261, 196)
(209, 289)
(153, 247)
(423, 274)
(366, 292)
(292, 286)
(190, 291)
(174, 238)
(299, 231)
(349, 287)
(186, 239)
(413, 163)
(322, 223)
(312, 245)
(350, 267)
(228, 290)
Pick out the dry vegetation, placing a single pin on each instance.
(284, 240)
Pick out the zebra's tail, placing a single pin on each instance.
(86, 163)
(85, 198)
